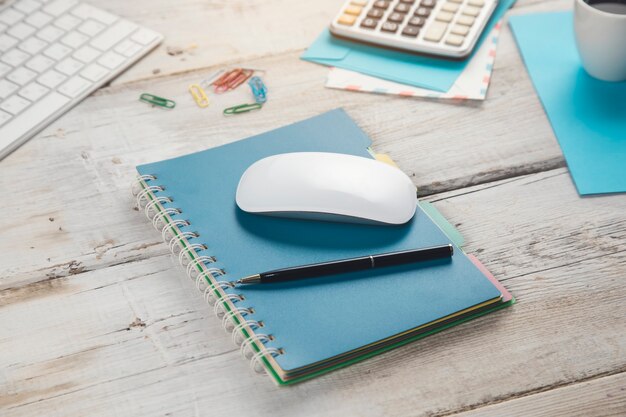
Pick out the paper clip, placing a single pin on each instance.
(232, 79)
(242, 108)
(258, 89)
(157, 101)
(199, 95)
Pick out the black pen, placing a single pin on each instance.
(350, 265)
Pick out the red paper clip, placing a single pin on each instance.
(231, 79)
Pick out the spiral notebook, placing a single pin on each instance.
(296, 330)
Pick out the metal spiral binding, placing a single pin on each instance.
(198, 267)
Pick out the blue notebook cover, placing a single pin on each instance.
(314, 320)
(588, 115)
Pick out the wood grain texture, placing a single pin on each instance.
(97, 319)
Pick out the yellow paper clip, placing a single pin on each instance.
(199, 95)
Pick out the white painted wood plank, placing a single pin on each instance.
(69, 353)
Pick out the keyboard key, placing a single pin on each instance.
(456, 1)
(411, 31)
(435, 31)
(21, 76)
(10, 16)
(40, 63)
(113, 35)
(4, 117)
(38, 19)
(381, 4)
(57, 51)
(7, 88)
(477, 3)
(14, 104)
(85, 11)
(128, 48)
(26, 6)
(74, 87)
(375, 13)
(450, 7)
(346, 19)
(51, 79)
(91, 27)
(396, 17)
(14, 57)
(67, 22)
(389, 27)
(402, 8)
(460, 30)
(33, 91)
(87, 54)
(58, 7)
(455, 40)
(422, 12)
(465, 20)
(7, 42)
(21, 31)
(37, 114)
(74, 39)
(32, 45)
(94, 72)
(69, 66)
(407, 1)
(4, 69)
(111, 60)
(359, 2)
(430, 3)
(416, 21)
(353, 10)
(471, 11)
(444, 17)
(50, 33)
(144, 36)
(369, 23)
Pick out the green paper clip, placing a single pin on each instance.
(242, 108)
(157, 101)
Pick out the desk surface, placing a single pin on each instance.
(98, 320)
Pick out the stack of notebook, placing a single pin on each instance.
(299, 329)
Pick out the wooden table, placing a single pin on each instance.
(97, 319)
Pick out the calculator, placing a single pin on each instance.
(445, 28)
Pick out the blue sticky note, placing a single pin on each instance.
(588, 116)
(412, 69)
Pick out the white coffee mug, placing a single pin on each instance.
(601, 40)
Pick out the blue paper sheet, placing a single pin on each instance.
(406, 68)
(588, 116)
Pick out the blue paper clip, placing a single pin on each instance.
(258, 89)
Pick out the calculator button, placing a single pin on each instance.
(359, 2)
(381, 4)
(389, 27)
(354, 10)
(396, 17)
(422, 11)
(450, 7)
(430, 3)
(411, 31)
(477, 3)
(402, 8)
(346, 19)
(460, 30)
(465, 20)
(375, 13)
(455, 40)
(444, 17)
(471, 11)
(416, 21)
(369, 23)
(435, 31)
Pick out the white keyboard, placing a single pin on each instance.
(55, 53)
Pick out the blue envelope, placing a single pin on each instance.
(420, 71)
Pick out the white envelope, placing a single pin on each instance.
(472, 84)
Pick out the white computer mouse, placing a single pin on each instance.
(327, 186)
